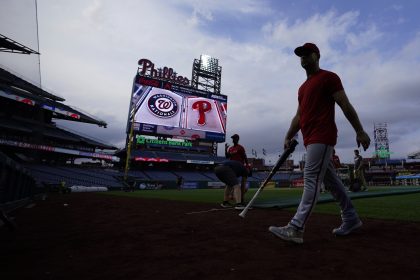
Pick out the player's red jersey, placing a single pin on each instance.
(336, 161)
(237, 153)
(317, 108)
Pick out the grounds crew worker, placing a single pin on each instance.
(237, 152)
(359, 170)
(228, 172)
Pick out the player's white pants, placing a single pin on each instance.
(319, 168)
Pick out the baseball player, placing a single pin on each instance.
(315, 118)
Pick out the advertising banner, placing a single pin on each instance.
(58, 150)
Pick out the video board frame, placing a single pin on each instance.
(162, 108)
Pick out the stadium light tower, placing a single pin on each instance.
(207, 74)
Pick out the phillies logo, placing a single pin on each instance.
(162, 105)
(202, 107)
(147, 68)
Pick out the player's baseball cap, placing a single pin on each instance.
(306, 49)
(235, 136)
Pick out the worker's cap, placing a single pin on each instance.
(307, 49)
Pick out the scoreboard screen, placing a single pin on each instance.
(161, 108)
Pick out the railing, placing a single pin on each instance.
(17, 186)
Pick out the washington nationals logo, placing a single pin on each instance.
(162, 105)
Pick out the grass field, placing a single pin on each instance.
(397, 207)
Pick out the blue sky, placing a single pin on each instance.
(90, 48)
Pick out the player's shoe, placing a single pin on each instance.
(288, 233)
(226, 204)
(347, 227)
(239, 206)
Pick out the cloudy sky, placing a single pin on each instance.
(90, 48)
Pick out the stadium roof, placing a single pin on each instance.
(9, 45)
(12, 86)
(414, 155)
(11, 79)
(24, 126)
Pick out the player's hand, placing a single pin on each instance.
(362, 138)
(286, 144)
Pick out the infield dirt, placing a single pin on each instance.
(99, 236)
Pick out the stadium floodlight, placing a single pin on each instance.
(206, 74)
(208, 63)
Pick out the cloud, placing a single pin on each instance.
(90, 51)
(322, 29)
(93, 11)
(362, 40)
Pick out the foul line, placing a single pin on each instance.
(210, 210)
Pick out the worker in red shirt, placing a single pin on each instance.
(237, 153)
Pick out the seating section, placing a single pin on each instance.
(210, 175)
(192, 176)
(260, 176)
(75, 176)
(172, 156)
(160, 175)
(137, 174)
(82, 176)
(145, 154)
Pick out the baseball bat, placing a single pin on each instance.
(273, 171)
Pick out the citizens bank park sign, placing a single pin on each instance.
(140, 140)
(164, 103)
